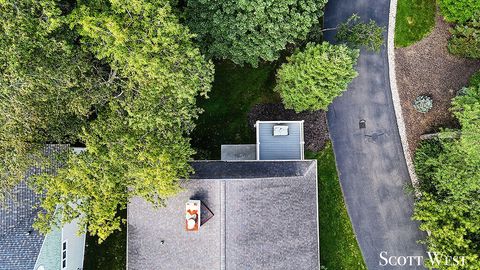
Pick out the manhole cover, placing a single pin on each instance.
(362, 124)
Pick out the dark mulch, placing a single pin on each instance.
(315, 126)
(427, 68)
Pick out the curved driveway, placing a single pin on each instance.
(370, 161)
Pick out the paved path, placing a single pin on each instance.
(370, 161)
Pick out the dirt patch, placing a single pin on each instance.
(427, 68)
(315, 125)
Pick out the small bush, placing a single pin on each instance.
(475, 79)
(459, 10)
(462, 91)
(423, 104)
(465, 39)
(424, 168)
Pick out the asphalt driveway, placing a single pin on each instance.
(370, 161)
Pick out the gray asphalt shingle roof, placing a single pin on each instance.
(265, 217)
(19, 243)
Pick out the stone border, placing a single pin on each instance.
(395, 96)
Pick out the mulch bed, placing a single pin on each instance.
(315, 125)
(427, 68)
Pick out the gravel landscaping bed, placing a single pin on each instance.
(427, 68)
(315, 126)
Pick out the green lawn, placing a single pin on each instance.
(110, 254)
(338, 244)
(415, 20)
(235, 90)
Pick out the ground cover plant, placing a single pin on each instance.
(338, 243)
(423, 104)
(415, 19)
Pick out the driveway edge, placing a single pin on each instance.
(396, 97)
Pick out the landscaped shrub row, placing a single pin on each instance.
(449, 172)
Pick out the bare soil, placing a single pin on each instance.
(315, 125)
(427, 68)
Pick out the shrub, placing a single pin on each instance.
(424, 168)
(459, 10)
(449, 208)
(312, 78)
(423, 104)
(475, 79)
(465, 40)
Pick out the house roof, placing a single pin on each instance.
(20, 244)
(265, 211)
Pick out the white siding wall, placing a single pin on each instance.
(75, 246)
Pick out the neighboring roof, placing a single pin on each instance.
(264, 211)
(20, 244)
(288, 147)
(50, 253)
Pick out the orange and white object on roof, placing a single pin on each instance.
(192, 215)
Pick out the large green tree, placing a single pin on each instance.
(449, 170)
(138, 145)
(251, 31)
(312, 78)
(49, 87)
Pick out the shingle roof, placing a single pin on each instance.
(265, 217)
(19, 243)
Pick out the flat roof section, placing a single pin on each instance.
(280, 140)
(238, 152)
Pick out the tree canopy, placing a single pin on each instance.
(312, 78)
(449, 170)
(49, 87)
(138, 145)
(251, 31)
(120, 77)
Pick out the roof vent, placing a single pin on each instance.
(280, 130)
